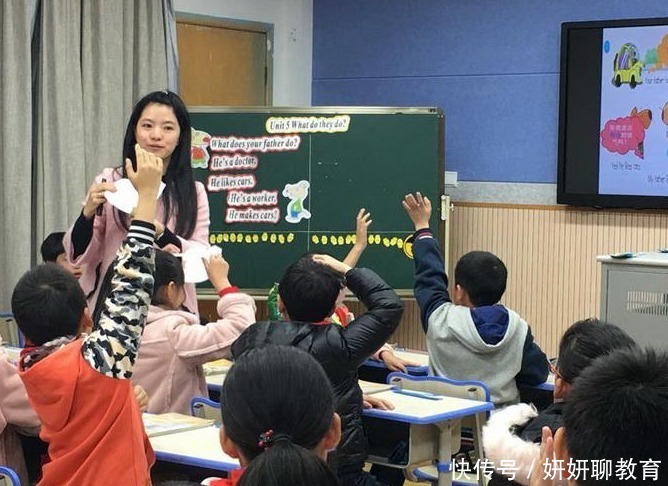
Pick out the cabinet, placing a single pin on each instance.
(634, 296)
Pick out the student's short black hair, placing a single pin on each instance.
(52, 246)
(281, 389)
(483, 276)
(585, 341)
(617, 411)
(168, 268)
(48, 303)
(309, 290)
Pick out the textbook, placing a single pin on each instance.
(169, 423)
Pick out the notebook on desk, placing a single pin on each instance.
(168, 423)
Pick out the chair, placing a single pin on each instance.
(206, 408)
(471, 426)
(8, 477)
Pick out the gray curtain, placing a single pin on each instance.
(97, 57)
(93, 60)
(16, 24)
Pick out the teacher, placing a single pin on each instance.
(159, 124)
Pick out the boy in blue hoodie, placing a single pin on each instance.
(471, 336)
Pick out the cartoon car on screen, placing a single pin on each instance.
(627, 67)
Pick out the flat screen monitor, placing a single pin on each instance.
(613, 114)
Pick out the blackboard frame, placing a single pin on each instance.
(436, 185)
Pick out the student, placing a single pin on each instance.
(472, 336)
(16, 416)
(279, 424)
(580, 345)
(78, 383)
(308, 291)
(174, 346)
(52, 250)
(160, 124)
(342, 315)
(614, 424)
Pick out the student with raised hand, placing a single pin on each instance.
(278, 419)
(471, 336)
(174, 345)
(307, 295)
(342, 315)
(160, 124)
(78, 380)
(514, 433)
(615, 425)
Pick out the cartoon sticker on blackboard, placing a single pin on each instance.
(297, 193)
(199, 155)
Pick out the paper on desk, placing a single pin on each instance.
(126, 196)
(168, 423)
(193, 266)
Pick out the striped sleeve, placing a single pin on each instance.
(112, 347)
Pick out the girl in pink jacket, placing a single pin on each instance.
(174, 345)
(16, 415)
(160, 124)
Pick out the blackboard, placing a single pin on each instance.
(351, 157)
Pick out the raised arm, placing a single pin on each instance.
(199, 344)
(368, 332)
(431, 282)
(112, 346)
(362, 223)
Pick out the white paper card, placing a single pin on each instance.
(126, 196)
(193, 266)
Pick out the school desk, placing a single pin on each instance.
(431, 425)
(215, 383)
(199, 448)
(373, 370)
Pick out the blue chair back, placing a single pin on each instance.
(9, 477)
(205, 408)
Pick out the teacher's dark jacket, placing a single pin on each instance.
(340, 351)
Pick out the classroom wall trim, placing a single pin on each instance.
(504, 192)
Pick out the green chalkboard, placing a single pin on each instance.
(257, 162)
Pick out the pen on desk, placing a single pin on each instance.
(418, 394)
(98, 211)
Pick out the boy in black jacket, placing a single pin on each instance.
(307, 293)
